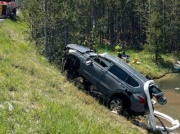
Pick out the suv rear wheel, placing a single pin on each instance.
(116, 105)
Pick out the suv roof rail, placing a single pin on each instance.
(81, 49)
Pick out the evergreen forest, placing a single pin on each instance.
(152, 25)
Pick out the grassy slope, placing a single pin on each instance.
(42, 100)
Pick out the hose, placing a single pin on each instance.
(162, 124)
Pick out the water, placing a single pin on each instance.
(170, 84)
(169, 81)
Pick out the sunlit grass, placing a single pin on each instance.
(36, 98)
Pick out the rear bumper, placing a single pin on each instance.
(138, 108)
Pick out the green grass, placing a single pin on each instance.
(147, 65)
(44, 101)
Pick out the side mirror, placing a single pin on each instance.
(89, 62)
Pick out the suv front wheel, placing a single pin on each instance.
(116, 105)
(63, 64)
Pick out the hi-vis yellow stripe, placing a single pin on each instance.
(1, 9)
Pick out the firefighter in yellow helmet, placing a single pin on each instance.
(121, 53)
(118, 48)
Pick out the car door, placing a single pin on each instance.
(94, 69)
(110, 82)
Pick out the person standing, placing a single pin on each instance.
(118, 48)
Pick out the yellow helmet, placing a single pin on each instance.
(118, 47)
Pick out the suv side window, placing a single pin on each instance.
(132, 82)
(118, 72)
(103, 62)
(121, 74)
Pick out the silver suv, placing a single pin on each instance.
(118, 84)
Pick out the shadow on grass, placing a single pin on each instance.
(17, 19)
(166, 64)
(14, 19)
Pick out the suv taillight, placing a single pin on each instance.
(141, 99)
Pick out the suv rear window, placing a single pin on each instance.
(121, 74)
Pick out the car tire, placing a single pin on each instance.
(71, 67)
(63, 63)
(116, 105)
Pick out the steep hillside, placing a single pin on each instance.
(36, 98)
